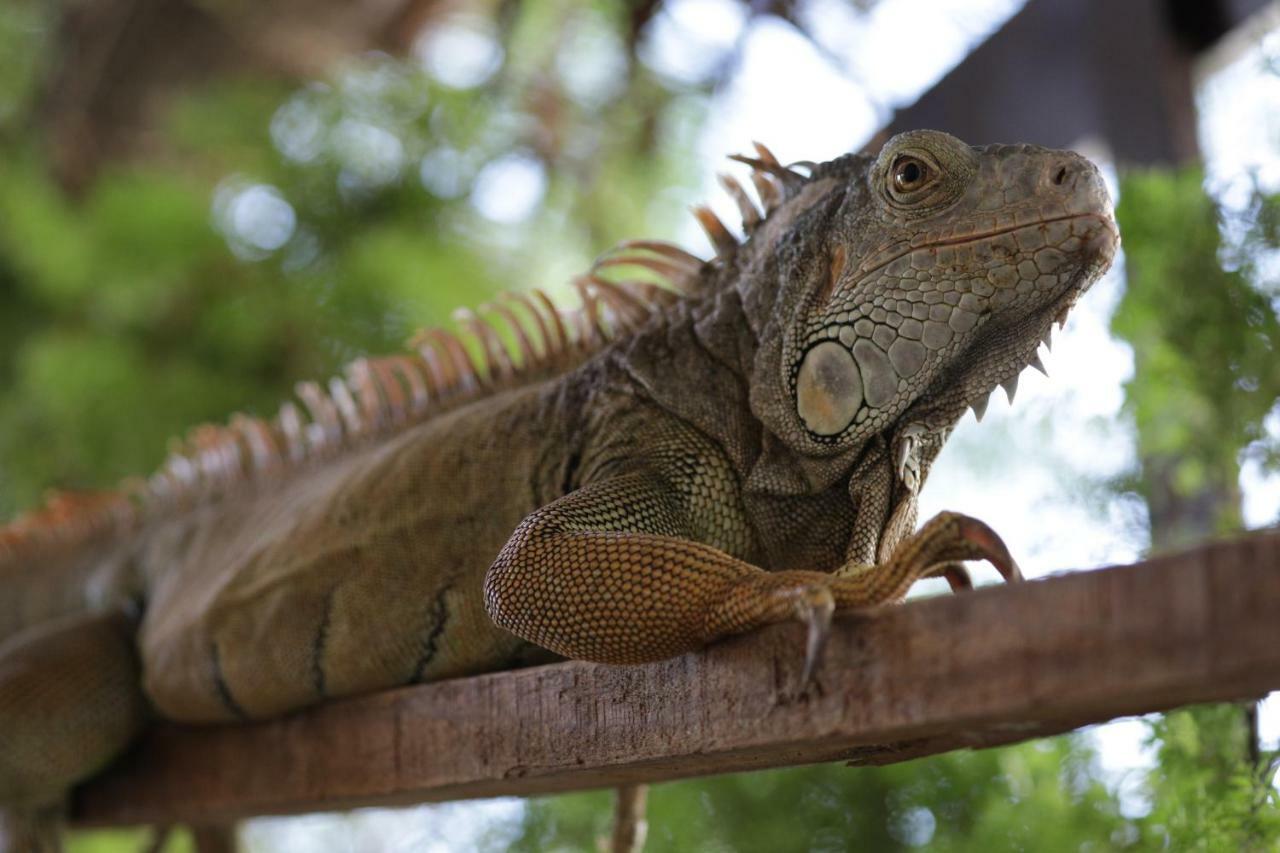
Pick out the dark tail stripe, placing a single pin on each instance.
(440, 616)
(220, 684)
(318, 646)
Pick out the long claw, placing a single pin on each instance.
(814, 607)
(957, 576)
(991, 548)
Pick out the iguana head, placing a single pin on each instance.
(943, 270)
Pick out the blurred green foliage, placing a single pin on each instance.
(128, 841)
(287, 229)
(1043, 796)
(1205, 795)
(1201, 318)
(284, 233)
(1003, 799)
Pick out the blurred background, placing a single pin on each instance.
(205, 201)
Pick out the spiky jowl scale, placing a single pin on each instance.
(737, 442)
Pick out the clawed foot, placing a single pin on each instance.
(935, 551)
(956, 574)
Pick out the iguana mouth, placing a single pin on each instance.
(974, 238)
(878, 260)
(881, 258)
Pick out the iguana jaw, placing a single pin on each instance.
(919, 433)
(998, 356)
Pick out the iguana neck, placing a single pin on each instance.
(702, 363)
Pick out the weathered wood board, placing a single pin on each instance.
(995, 666)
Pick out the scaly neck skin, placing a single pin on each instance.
(698, 364)
(758, 293)
(715, 361)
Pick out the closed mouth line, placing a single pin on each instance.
(974, 238)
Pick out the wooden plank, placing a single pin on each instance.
(999, 665)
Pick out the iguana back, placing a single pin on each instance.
(362, 573)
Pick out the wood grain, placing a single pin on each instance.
(995, 666)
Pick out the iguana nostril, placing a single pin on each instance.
(1060, 176)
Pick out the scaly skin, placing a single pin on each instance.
(751, 454)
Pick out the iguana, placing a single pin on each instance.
(668, 465)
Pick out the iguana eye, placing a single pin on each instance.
(909, 174)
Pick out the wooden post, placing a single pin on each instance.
(995, 666)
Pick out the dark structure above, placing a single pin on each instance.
(1064, 70)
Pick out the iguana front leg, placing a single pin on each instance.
(608, 573)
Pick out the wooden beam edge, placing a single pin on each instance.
(995, 666)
